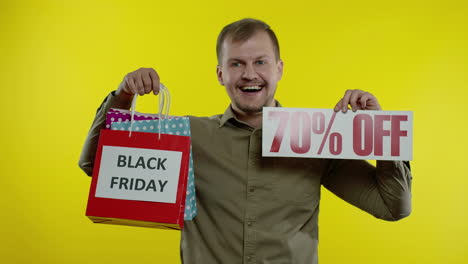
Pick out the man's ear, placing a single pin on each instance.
(219, 72)
(280, 69)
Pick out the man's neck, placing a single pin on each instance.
(252, 119)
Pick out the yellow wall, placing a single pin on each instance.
(59, 59)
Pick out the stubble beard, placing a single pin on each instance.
(248, 109)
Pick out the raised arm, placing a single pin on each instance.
(142, 81)
(383, 191)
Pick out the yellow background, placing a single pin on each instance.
(59, 59)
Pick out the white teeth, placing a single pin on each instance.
(251, 88)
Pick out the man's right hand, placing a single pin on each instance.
(142, 81)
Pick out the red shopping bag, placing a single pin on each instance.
(139, 179)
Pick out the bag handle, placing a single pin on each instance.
(164, 105)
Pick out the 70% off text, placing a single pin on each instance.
(368, 132)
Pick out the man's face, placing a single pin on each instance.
(250, 72)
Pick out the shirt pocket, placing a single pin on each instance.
(296, 180)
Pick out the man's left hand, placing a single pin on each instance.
(359, 100)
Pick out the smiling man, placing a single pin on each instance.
(253, 209)
(250, 68)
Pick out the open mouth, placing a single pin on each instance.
(251, 89)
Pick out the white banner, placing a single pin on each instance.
(139, 174)
(324, 133)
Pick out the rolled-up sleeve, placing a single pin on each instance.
(383, 191)
(88, 152)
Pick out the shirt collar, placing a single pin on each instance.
(229, 114)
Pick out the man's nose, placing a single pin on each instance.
(249, 72)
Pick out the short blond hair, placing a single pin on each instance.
(242, 30)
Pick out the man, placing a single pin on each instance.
(253, 209)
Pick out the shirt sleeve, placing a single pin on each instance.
(88, 152)
(383, 191)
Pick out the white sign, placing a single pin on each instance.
(324, 133)
(139, 174)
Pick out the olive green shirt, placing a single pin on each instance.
(254, 209)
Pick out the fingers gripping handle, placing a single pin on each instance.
(164, 105)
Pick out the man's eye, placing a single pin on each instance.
(260, 62)
(235, 64)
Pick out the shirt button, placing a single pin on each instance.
(249, 223)
(251, 189)
(249, 258)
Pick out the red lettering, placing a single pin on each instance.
(283, 122)
(335, 148)
(358, 129)
(397, 133)
(318, 123)
(379, 133)
(300, 134)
